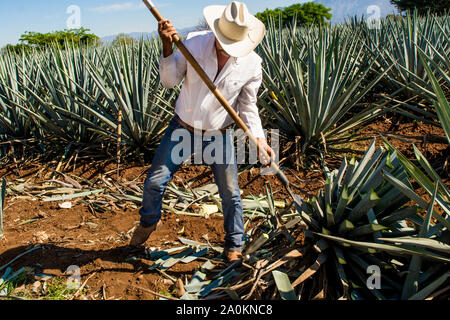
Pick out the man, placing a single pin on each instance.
(226, 54)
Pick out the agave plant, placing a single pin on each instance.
(401, 42)
(129, 83)
(314, 83)
(47, 93)
(398, 44)
(16, 73)
(66, 78)
(366, 210)
(74, 96)
(362, 220)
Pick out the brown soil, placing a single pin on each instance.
(97, 243)
(429, 139)
(99, 248)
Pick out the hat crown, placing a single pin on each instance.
(235, 28)
(234, 23)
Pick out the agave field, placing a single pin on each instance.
(376, 228)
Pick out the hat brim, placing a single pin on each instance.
(242, 48)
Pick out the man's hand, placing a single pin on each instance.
(166, 32)
(264, 161)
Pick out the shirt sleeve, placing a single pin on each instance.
(172, 69)
(248, 109)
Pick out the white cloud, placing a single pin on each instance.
(127, 6)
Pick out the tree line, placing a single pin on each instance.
(36, 40)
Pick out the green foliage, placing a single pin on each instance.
(435, 6)
(302, 14)
(269, 14)
(57, 289)
(397, 46)
(75, 37)
(123, 39)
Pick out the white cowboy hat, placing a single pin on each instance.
(237, 31)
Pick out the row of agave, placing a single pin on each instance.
(317, 84)
(322, 84)
(74, 96)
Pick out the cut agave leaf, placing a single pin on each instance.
(284, 285)
(428, 290)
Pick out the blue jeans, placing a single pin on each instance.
(164, 165)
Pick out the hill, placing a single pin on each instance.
(143, 35)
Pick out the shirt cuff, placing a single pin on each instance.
(167, 70)
(257, 130)
(167, 65)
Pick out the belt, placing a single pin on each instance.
(193, 130)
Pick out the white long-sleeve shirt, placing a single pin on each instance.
(238, 81)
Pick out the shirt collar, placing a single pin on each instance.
(235, 60)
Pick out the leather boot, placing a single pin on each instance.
(232, 256)
(141, 234)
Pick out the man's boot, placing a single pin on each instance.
(232, 256)
(141, 234)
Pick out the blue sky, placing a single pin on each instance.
(109, 17)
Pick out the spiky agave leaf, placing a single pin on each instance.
(440, 103)
(425, 179)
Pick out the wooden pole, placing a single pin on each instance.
(233, 114)
(119, 134)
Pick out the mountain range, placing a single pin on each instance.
(144, 35)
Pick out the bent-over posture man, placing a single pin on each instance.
(226, 54)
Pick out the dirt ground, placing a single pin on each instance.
(97, 243)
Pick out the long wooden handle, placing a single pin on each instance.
(233, 114)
